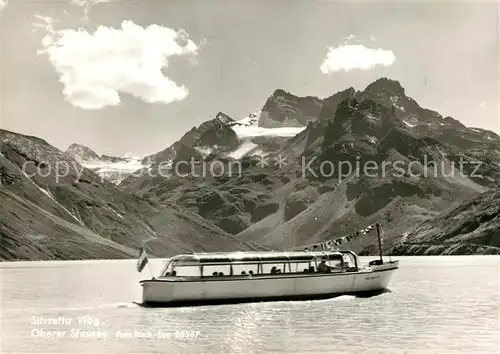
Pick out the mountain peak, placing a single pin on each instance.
(76, 146)
(385, 85)
(284, 109)
(279, 93)
(81, 152)
(224, 118)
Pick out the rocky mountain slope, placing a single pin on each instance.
(299, 170)
(112, 168)
(54, 208)
(81, 153)
(472, 227)
(283, 109)
(356, 158)
(221, 139)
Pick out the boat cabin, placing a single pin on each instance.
(207, 265)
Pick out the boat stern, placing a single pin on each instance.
(156, 291)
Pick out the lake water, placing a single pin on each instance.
(436, 304)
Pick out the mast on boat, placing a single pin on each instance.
(379, 243)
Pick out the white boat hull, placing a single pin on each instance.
(173, 291)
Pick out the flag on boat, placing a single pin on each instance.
(142, 261)
(331, 244)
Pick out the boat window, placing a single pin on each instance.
(349, 260)
(167, 270)
(334, 263)
(301, 267)
(216, 270)
(268, 268)
(187, 271)
(239, 268)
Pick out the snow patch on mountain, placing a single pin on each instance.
(48, 194)
(205, 150)
(248, 127)
(251, 120)
(244, 149)
(114, 171)
(124, 166)
(370, 116)
(409, 124)
(112, 168)
(259, 152)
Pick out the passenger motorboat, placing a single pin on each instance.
(204, 278)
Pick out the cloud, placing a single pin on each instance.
(3, 3)
(482, 104)
(95, 67)
(355, 56)
(86, 5)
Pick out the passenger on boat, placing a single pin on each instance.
(322, 267)
(273, 270)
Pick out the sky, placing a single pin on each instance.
(131, 77)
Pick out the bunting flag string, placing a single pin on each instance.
(332, 244)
